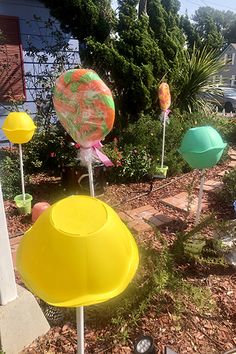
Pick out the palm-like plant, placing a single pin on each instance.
(194, 79)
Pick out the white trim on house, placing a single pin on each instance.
(233, 58)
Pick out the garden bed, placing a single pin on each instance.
(188, 306)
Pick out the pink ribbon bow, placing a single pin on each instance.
(100, 155)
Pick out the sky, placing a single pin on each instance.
(192, 5)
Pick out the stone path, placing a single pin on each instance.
(147, 217)
(144, 218)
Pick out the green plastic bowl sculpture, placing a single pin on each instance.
(202, 147)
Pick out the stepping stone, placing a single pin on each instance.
(137, 218)
(181, 202)
(159, 219)
(221, 174)
(141, 212)
(231, 152)
(212, 186)
(139, 226)
(125, 217)
(233, 157)
(232, 164)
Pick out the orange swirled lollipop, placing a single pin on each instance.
(84, 106)
(164, 96)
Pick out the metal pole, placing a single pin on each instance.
(80, 310)
(91, 185)
(163, 139)
(22, 172)
(80, 329)
(199, 207)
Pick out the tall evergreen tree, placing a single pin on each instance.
(84, 18)
(216, 28)
(132, 52)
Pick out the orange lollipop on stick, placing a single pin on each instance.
(165, 102)
(164, 96)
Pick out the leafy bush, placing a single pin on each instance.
(10, 173)
(137, 149)
(48, 150)
(228, 192)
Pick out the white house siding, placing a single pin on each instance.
(34, 30)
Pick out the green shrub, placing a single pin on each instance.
(132, 163)
(49, 150)
(141, 143)
(10, 173)
(228, 192)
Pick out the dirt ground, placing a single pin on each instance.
(193, 329)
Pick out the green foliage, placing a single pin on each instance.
(136, 163)
(137, 151)
(194, 247)
(139, 49)
(134, 52)
(193, 79)
(228, 192)
(84, 18)
(10, 173)
(210, 27)
(49, 150)
(215, 27)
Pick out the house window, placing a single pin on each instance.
(12, 86)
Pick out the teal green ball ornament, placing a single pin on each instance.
(202, 147)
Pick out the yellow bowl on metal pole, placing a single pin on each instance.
(77, 253)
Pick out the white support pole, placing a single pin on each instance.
(91, 185)
(22, 172)
(80, 310)
(80, 329)
(199, 207)
(163, 139)
(8, 290)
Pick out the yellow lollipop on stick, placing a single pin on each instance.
(19, 128)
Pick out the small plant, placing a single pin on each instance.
(10, 173)
(228, 192)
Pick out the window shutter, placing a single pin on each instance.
(12, 86)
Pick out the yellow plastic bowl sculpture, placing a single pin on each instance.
(77, 253)
(18, 127)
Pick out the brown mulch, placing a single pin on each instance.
(194, 329)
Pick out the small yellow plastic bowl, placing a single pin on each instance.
(77, 253)
(18, 127)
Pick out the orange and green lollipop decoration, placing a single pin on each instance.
(84, 106)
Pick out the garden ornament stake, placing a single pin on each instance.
(165, 102)
(94, 256)
(87, 128)
(202, 147)
(19, 128)
(199, 206)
